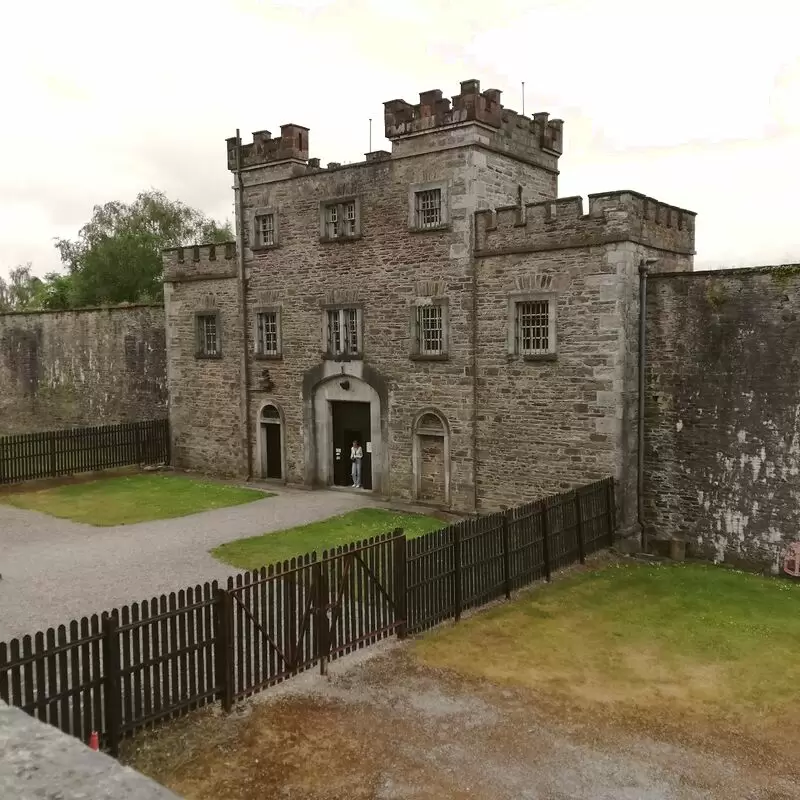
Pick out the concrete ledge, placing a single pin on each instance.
(38, 761)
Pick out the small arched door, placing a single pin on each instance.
(431, 458)
(271, 446)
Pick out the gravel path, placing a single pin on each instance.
(383, 727)
(56, 570)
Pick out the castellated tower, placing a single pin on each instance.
(439, 302)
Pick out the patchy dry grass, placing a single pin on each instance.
(651, 682)
(669, 642)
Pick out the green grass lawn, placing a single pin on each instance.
(256, 551)
(664, 639)
(125, 500)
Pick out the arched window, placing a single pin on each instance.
(270, 414)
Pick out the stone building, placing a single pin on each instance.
(439, 303)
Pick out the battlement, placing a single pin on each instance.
(199, 262)
(612, 217)
(291, 144)
(402, 119)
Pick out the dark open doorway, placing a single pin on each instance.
(351, 422)
(271, 450)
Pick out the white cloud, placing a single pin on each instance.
(698, 107)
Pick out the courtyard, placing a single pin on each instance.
(620, 680)
(57, 569)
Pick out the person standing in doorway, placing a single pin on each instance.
(356, 454)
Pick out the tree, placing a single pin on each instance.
(22, 291)
(117, 255)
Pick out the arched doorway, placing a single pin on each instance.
(431, 458)
(348, 409)
(270, 443)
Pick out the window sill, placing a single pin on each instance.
(268, 356)
(429, 357)
(445, 226)
(343, 357)
(339, 239)
(208, 356)
(262, 248)
(540, 357)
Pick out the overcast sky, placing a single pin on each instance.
(696, 103)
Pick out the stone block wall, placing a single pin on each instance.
(545, 425)
(78, 368)
(205, 416)
(723, 413)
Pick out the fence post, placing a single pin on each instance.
(138, 441)
(168, 441)
(52, 439)
(546, 539)
(400, 600)
(223, 611)
(579, 527)
(457, 571)
(611, 500)
(112, 692)
(506, 556)
(322, 645)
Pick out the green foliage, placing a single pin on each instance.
(256, 551)
(22, 291)
(117, 255)
(130, 499)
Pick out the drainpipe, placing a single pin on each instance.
(644, 266)
(474, 336)
(244, 389)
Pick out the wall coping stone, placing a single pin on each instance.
(39, 761)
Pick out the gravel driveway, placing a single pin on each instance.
(55, 570)
(384, 727)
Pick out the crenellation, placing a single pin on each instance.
(612, 217)
(199, 262)
(291, 145)
(533, 138)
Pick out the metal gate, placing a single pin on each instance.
(290, 617)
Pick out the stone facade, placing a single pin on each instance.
(506, 427)
(549, 422)
(723, 413)
(76, 368)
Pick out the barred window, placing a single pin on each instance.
(265, 230)
(267, 333)
(343, 331)
(332, 221)
(208, 335)
(349, 219)
(340, 220)
(428, 208)
(533, 334)
(430, 327)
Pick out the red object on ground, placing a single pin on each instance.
(791, 562)
(94, 741)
